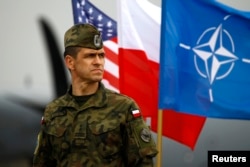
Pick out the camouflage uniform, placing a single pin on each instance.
(102, 132)
(106, 130)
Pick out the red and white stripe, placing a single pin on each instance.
(111, 74)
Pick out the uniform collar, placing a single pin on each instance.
(99, 99)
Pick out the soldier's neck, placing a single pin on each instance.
(83, 88)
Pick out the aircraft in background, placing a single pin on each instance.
(20, 116)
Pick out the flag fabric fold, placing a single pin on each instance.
(137, 34)
(205, 59)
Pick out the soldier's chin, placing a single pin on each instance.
(98, 79)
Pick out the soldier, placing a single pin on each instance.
(91, 126)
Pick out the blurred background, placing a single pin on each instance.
(27, 84)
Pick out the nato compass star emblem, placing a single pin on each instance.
(214, 56)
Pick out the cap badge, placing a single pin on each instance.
(97, 40)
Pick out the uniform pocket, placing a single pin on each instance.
(56, 135)
(56, 139)
(108, 139)
(55, 130)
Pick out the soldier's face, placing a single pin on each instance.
(89, 65)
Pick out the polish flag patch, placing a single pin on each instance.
(136, 113)
(42, 121)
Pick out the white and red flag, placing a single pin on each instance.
(139, 41)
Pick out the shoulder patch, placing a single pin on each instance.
(136, 113)
(145, 135)
(42, 121)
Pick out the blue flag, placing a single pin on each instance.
(205, 59)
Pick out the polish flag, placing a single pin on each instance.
(136, 113)
(139, 47)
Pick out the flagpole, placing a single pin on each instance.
(159, 139)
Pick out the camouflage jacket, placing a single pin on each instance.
(107, 131)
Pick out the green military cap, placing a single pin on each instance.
(83, 35)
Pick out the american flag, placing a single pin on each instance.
(85, 12)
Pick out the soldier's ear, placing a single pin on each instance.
(70, 62)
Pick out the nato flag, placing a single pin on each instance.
(205, 59)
